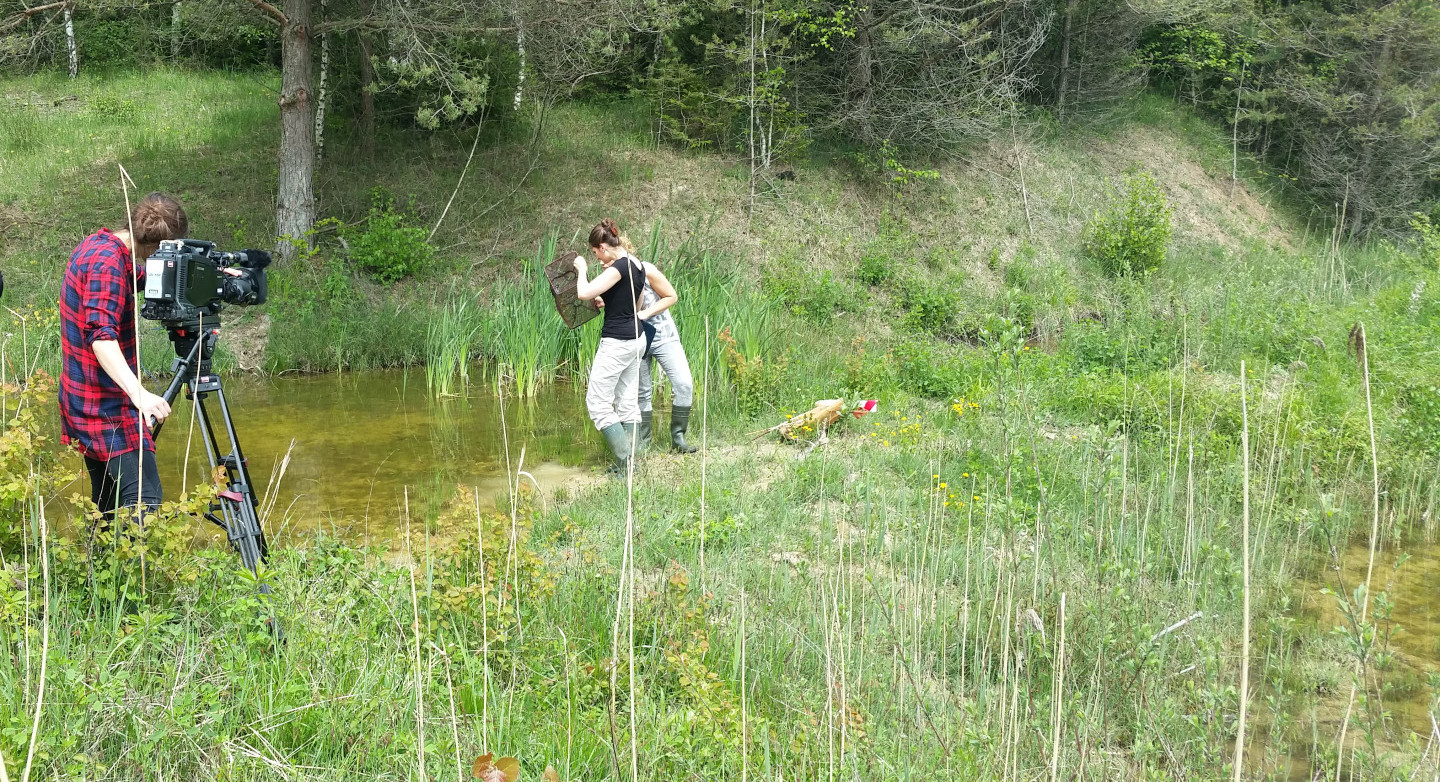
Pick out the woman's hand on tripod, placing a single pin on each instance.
(153, 408)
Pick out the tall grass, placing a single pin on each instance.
(526, 343)
(448, 344)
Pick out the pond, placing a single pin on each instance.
(365, 442)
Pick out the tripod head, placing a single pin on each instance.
(194, 343)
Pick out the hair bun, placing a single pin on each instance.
(158, 217)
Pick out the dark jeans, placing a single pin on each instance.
(122, 480)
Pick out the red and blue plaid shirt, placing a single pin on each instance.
(97, 302)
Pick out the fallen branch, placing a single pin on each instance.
(18, 18)
(824, 413)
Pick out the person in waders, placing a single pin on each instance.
(655, 301)
(612, 396)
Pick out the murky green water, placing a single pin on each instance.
(1409, 579)
(361, 440)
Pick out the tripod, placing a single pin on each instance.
(236, 505)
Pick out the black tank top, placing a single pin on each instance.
(621, 301)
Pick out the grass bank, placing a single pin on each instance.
(1029, 565)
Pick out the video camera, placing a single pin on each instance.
(185, 280)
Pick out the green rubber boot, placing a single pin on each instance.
(618, 436)
(646, 430)
(679, 423)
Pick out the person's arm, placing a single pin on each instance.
(663, 289)
(589, 289)
(152, 407)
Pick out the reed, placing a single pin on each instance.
(449, 345)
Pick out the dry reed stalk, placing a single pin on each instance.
(484, 631)
(1057, 696)
(4, 775)
(272, 487)
(1358, 342)
(1245, 576)
(415, 625)
(569, 702)
(704, 446)
(744, 700)
(454, 718)
(625, 604)
(44, 644)
(140, 422)
(829, 684)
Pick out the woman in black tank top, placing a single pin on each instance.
(612, 395)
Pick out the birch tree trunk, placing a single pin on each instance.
(520, 49)
(70, 40)
(295, 202)
(323, 92)
(175, 31)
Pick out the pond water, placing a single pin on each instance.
(363, 441)
(1409, 578)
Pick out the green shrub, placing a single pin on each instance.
(1427, 240)
(929, 308)
(876, 268)
(757, 380)
(107, 43)
(1132, 236)
(886, 253)
(865, 373)
(1019, 307)
(114, 109)
(810, 296)
(922, 369)
(390, 246)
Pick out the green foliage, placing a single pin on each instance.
(922, 368)
(866, 374)
(814, 296)
(30, 469)
(884, 163)
(114, 108)
(689, 115)
(441, 94)
(930, 307)
(1132, 236)
(1427, 241)
(886, 254)
(390, 246)
(106, 43)
(876, 267)
(755, 376)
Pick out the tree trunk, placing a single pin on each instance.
(295, 203)
(70, 41)
(1065, 57)
(1235, 133)
(323, 92)
(175, 31)
(862, 87)
(520, 50)
(367, 97)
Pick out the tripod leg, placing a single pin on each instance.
(237, 502)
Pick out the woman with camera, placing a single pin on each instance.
(611, 397)
(102, 402)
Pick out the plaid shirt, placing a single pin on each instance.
(97, 302)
